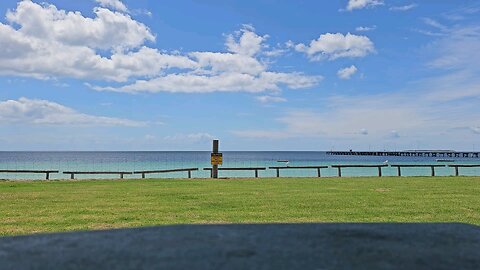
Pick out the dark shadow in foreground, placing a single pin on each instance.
(270, 246)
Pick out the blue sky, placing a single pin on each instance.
(258, 75)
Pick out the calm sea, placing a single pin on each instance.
(131, 161)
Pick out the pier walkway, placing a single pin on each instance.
(416, 153)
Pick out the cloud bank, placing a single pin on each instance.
(44, 42)
(43, 112)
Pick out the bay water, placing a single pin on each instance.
(164, 160)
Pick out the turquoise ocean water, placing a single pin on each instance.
(133, 161)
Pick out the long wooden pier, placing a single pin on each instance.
(413, 153)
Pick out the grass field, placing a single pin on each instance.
(53, 206)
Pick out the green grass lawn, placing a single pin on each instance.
(53, 206)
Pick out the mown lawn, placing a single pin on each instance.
(54, 206)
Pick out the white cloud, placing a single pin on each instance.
(359, 4)
(190, 138)
(435, 24)
(381, 117)
(44, 42)
(347, 73)
(458, 49)
(248, 43)
(106, 30)
(225, 82)
(433, 112)
(275, 52)
(52, 43)
(348, 118)
(227, 62)
(333, 46)
(403, 8)
(270, 99)
(43, 112)
(455, 55)
(114, 4)
(365, 28)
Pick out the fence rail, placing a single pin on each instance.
(456, 166)
(189, 170)
(339, 167)
(46, 172)
(432, 167)
(256, 169)
(278, 168)
(72, 174)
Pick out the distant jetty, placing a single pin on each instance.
(408, 153)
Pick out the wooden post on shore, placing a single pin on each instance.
(215, 167)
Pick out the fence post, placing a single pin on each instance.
(215, 167)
